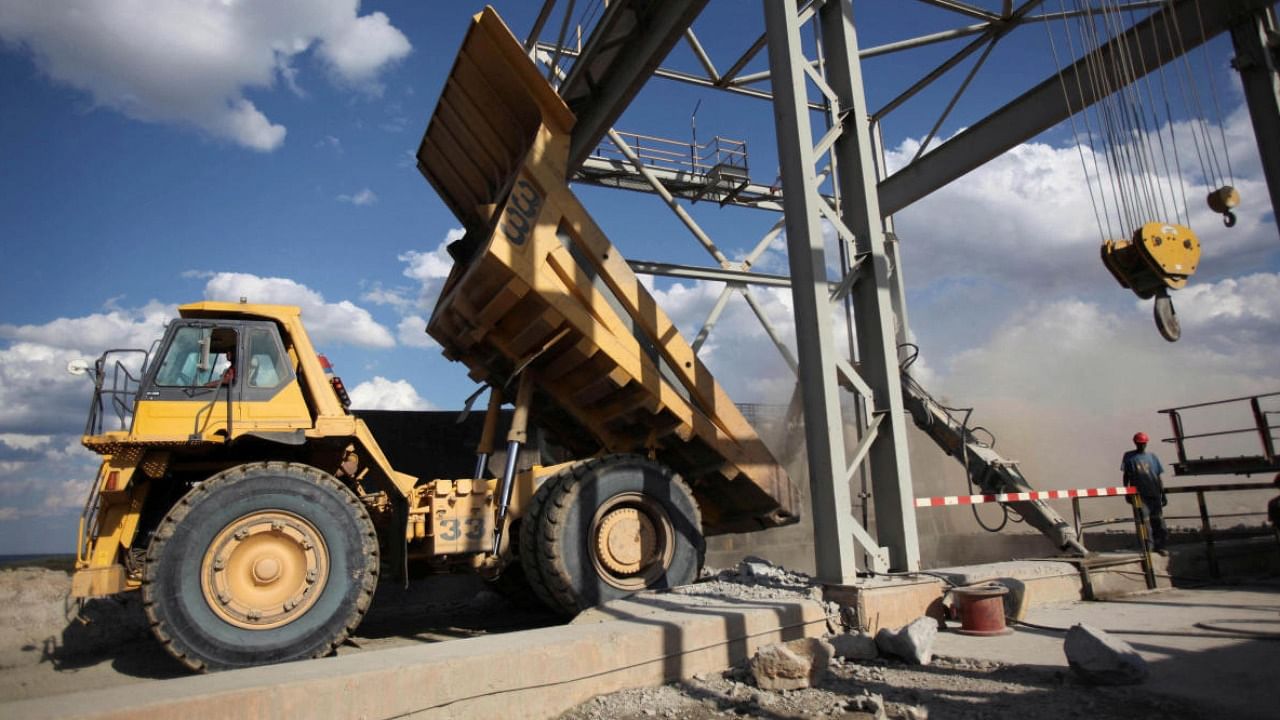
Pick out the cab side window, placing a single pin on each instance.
(267, 368)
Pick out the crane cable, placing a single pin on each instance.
(1126, 126)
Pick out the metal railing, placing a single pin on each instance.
(1207, 533)
(1262, 427)
(115, 387)
(718, 157)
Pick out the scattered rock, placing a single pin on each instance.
(870, 703)
(791, 665)
(754, 567)
(1099, 659)
(911, 712)
(855, 646)
(913, 643)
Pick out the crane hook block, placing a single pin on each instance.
(1223, 201)
(1159, 255)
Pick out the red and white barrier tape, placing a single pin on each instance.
(1016, 497)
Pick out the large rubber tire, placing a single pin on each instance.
(209, 554)
(530, 528)
(583, 521)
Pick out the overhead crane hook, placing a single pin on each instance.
(1223, 201)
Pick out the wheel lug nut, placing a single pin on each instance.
(254, 615)
(311, 576)
(224, 598)
(277, 525)
(241, 534)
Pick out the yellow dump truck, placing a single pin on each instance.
(255, 512)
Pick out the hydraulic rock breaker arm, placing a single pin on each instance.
(989, 471)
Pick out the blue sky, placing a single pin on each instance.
(204, 150)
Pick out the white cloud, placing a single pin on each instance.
(94, 333)
(329, 141)
(23, 441)
(383, 394)
(359, 49)
(38, 396)
(192, 62)
(364, 196)
(341, 322)
(1251, 303)
(431, 268)
(1025, 219)
(412, 332)
(394, 297)
(428, 270)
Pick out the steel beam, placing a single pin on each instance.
(1045, 105)
(691, 272)
(627, 45)
(1257, 46)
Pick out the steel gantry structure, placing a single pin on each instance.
(839, 181)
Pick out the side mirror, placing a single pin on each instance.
(78, 367)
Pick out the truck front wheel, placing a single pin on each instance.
(263, 563)
(612, 526)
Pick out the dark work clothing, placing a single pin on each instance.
(1142, 470)
(1153, 516)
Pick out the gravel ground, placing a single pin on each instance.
(947, 688)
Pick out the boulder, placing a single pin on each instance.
(855, 646)
(913, 642)
(791, 665)
(1100, 659)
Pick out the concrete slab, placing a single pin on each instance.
(1216, 646)
(895, 600)
(532, 673)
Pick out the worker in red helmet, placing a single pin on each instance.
(1142, 470)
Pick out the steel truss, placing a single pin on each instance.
(850, 192)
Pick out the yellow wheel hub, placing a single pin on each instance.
(626, 541)
(264, 570)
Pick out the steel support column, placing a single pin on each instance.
(820, 363)
(833, 520)
(872, 296)
(1257, 46)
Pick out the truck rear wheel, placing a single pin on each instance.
(610, 527)
(260, 564)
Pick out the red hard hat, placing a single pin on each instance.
(1141, 438)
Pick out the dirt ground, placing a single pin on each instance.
(1200, 643)
(49, 646)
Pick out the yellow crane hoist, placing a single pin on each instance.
(1160, 257)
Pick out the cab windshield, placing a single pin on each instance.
(182, 366)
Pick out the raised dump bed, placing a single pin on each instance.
(538, 289)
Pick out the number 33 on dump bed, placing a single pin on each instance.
(522, 211)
